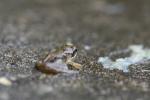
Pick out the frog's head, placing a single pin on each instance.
(70, 51)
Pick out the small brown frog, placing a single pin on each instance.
(58, 60)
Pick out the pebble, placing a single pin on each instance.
(4, 81)
(87, 47)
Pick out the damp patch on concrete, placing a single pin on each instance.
(138, 55)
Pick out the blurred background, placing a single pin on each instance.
(57, 20)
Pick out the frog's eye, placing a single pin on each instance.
(74, 53)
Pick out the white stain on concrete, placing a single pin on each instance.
(139, 54)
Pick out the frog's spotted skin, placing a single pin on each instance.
(58, 61)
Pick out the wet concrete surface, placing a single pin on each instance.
(29, 29)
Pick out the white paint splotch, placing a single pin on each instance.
(139, 54)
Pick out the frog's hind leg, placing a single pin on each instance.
(49, 57)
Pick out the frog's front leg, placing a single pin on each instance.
(74, 64)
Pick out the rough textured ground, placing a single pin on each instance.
(31, 28)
